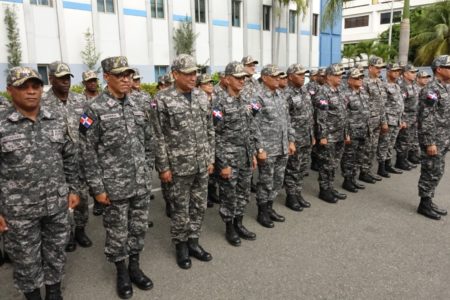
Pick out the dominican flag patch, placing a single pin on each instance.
(153, 104)
(255, 106)
(323, 103)
(85, 123)
(217, 114)
(431, 96)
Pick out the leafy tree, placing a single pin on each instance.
(13, 46)
(89, 55)
(184, 38)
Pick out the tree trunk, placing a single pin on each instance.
(404, 35)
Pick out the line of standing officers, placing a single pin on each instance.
(57, 149)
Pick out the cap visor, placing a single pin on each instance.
(380, 65)
(121, 70)
(241, 74)
(189, 70)
(23, 80)
(63, 74)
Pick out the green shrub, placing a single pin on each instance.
(215, 77)
(77, 88)
(149, 88)
(5, 95)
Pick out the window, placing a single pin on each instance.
(106, 6)
(200, 11)
(385, 18)
(266, 17)
(157, 8)
(160, 71)
(43, 71)
(354, 22)
(236, 13)
(292, 21)
(41, 2)
(315, 25)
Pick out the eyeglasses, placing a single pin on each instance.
(123, 75)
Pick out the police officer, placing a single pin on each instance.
(251, 86)
(422, 79)
(59, 95)
(378, 125)
(221, 86)
(39, 178)
(302, 122)
(330, 133)
(90, 83)
(115, 140)
(358, 116)
(407, 137)
(184, 135)
(434, 135)
(4, 103)
(235, 152)
(276, 142)
(394, 108)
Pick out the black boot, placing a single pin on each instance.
(327, 196)
(337, 194)
(263, 216)
(436, 209)
(231, 234)
(197, 251)
(81, 237)
(382, 170)
(401, 162)
(150, 224)
(302, 201)
(389, 168)
(136, 275)
(98, 208)
(357, 184)
(363, 176)
(183, 260)
(243, 232)
(348, 185)
(413, 157)
(168, 210)
(209, 203)
(123, 284)
(53, 292)
(374, 176)
(71, 245)
(34, 295)
(6, 258)
(273, 214)
(292, 203)
(426, 210)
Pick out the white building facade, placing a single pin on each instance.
(143, 31)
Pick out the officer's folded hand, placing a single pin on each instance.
(73, 200)
(384, 128)
(347, 140)
(225, 173)
(3, 226)
(262, 156)
(313, 141)
(166, 176)
(403, 125)
(254, 163)
(432, 150)
(323, 141)
(103, 198)
(291, 149)
(210, 169)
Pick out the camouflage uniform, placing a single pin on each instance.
(115, 139)
(184, 135)
(4, 103)
(251, 88)
(39, 167)
(88, 75)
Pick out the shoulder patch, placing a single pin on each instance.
(217, 114)
(85, 123)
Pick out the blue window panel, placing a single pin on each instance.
(281, 29)
(223, 23)
(181, 18)
(77, 6)
(254, 26)
(134, 12)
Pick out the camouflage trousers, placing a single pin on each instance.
(36, 248)
(329, 156)
(125, 222)
(271, 177)
(386, 143)
(188, 197)
(166, 193)
(81, 212)
(352, 158)
(297, 166)
(432, 169)
(407, 139)
(371, 145)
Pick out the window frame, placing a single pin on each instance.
(397, 14)
(154, 9)
(267, 23)
(292, 26)
(233, 22)
(160, 70)
(44, 76)
(105, 7)
(198, 13)
(315, 25)
(39, 3)
(357, 20)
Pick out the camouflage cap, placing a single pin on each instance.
(168, 78)
(88, 75)
(204, 78)
(59, 69)
(422, 74)
(441, 61)
(297, 69)
(355, 73)
(283, 75)
(410, 68)
(184, 63)
(376, 61)
(246, 60)
(161, 79)
(136, 74)
(18, 75)
(221, 74)
(334, 69)
(271, 70)
(321, 72)
(359, 66)
(314, 72)
(393, 66)
(115, 65)
(235, 69)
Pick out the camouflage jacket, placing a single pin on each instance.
(330, 114)
(4, 103)
(38, 164)
(236, 133)
(434, 114)
(184, 132)
(115, 145)
(358, 113)
(251, 88)
(410, 93)
(394, 104)
(219, 91)
(301, 112)
(313, 88)
(377, 99)
(273, 123)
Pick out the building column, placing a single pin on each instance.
(120, 18)
(61, 30)
(211, 36)
(149, 23)
(244, 26)
(95, 26)
(170, 29)
(30, 32)
(230, 32)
